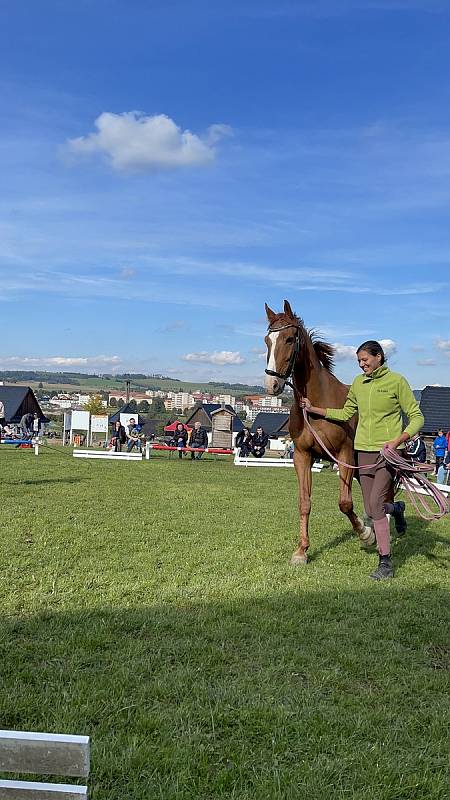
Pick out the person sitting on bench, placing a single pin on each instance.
(118, 438)
(181, 437)
(244, 441)
(134, 436)
(199, 438)
(260, 441)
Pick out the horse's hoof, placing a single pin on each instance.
(297, 560)
(367, 538)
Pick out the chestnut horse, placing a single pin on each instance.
(295, 353)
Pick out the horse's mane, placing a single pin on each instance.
(324, 351)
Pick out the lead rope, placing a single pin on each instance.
(417, 487)
(407, 474)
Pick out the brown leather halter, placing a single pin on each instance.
(295, 351)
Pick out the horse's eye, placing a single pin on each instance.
(289, 340)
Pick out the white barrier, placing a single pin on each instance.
(262, 462)
(107, 454)
(417, 489)
(245, 461)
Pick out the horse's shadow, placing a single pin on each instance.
(420, 539)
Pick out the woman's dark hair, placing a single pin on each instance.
(372, 347)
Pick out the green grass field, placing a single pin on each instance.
(153, 607)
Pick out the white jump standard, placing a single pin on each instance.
(246, 461)
(107, 455)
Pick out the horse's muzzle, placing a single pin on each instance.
(274, 385)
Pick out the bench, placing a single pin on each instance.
(43, 754)
(218, 451)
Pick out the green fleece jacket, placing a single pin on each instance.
(379, 400)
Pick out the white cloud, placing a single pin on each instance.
(389, 346)
(258, 351)
(444, 345)
(426, 362)
(223, 357)
(342, 352)
(134, 141)
(30, 362)
(127, 273)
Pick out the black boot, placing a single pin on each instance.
(399, 517)
(384, 569)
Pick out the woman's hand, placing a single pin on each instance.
(305, 403)
(393, 445)
(396, 442)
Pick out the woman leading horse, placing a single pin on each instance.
(296, 353)
(379, 397)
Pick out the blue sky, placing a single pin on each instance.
(166, 168)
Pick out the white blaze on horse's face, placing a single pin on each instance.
(274, 385)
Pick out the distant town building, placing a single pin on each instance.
(179, 400)
(120, 395)
(270, 402)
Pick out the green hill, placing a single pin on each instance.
(79, 381)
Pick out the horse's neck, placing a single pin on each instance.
(306, 369)
(313, 380)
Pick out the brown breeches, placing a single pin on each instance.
(376, 483)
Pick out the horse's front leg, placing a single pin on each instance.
(365, 532)
(303, 463)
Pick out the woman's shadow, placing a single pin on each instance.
(422, 538)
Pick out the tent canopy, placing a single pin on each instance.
(172, 427)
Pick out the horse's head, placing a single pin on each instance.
(283, 342)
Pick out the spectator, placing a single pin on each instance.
(180, 437)
(447, 436)
(443, 474)
(439, 449)
(134, 435)
(199, 438)
(417, 450)
(119, 437)
(36, 425)
(259, 442)
(244, 441)
(26, 425)
(288, 448)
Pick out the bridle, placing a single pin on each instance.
(295, 351)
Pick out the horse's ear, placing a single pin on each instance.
(271, 316)
(288, 310)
